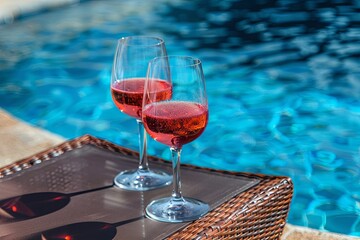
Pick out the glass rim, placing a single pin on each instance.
(124, 42)
(195, 61)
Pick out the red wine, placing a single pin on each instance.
(175, 123)
(128, 94)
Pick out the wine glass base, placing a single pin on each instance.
(142, 180)
(176, 210)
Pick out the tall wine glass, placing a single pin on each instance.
(127, 85)
(175, 122)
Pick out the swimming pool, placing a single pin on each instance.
(283, 80)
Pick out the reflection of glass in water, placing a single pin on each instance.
(34, 205)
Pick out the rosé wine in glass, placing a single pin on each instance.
(129, 70)
(175, 122)
(128, 94)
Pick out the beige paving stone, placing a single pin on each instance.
(301, 233)
(9, 9)
(19, 140)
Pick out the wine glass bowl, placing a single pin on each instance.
(127, 89)
(175, 122)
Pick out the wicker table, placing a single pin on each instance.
(244, 206)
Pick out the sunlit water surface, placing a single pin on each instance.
(282, 81)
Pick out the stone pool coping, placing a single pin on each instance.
(19, 140)
(11, 9)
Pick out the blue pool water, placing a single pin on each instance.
(283, 80)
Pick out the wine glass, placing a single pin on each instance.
(127, 85)
(175, 122)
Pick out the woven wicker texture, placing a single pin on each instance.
(258, 213)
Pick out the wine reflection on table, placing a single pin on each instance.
(90, 230)
(33, 205)
(83, 231)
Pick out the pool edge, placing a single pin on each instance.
(13, 9)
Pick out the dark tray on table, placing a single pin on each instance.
(244, 206)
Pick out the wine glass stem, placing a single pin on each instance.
(143, 162)
(175, 155)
